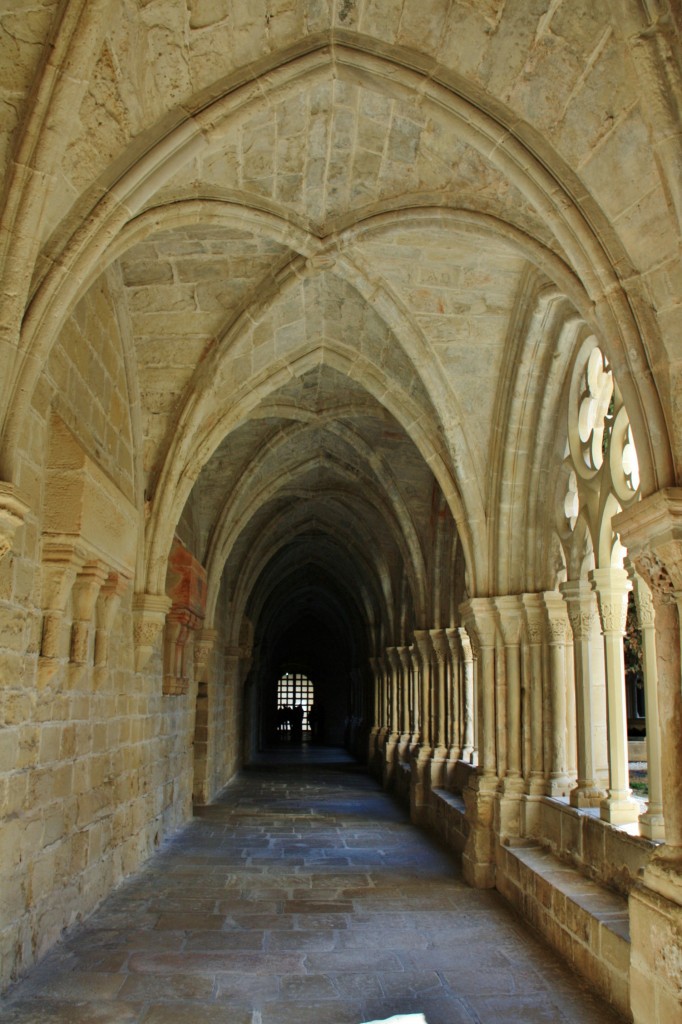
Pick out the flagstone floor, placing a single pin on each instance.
(302, 896)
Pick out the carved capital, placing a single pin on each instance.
(149, 617)
(440, 644)
(644, 603)
(480, 618)
(510, 617)
(651, 530)
(422, 639)
(582, 609)
(612, 587)
(556, 616)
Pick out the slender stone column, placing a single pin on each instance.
(469, 747)
(441, 649)
(405, 700)
(651, 822)
(482, 628)
(415, 683)
(376, 710)
(557, 627)
(509, 612)
(425, 649)
(535, 623)
(582, 613)
(393, 735)
(612, 586)
(421, 763)
(454, 737)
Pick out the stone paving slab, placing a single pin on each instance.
(301, 899)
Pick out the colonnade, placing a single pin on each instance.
(529, 690)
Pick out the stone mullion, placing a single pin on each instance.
(535, 628)
(582, 613)
(651, 822)
(557, 625)
(612, 586)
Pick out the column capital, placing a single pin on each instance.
(480, 616)
(556, 613)
(405, 655)
(424, 643)
(393, 655)
(612, 586)
(440, 644)
(149, 617)
(582, 608)
(534, 617)
(651, 530)
(510, 617)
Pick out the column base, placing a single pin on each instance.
(586, 794)
(478, 857)
(559, 786)
(652, 825)
(618, 810)
(389, 758)
(438, 767)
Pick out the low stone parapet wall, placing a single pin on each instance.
(584, 921)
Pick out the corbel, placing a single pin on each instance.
(13, 512)
(149, 616)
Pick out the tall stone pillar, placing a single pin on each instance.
(652, 532)
(478, 858)
(557, 630)
(441, 682)
(582, 613)
(612, 587)
(651, 822)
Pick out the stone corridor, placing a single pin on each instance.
(302, 896)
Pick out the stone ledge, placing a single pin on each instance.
(583, 920)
